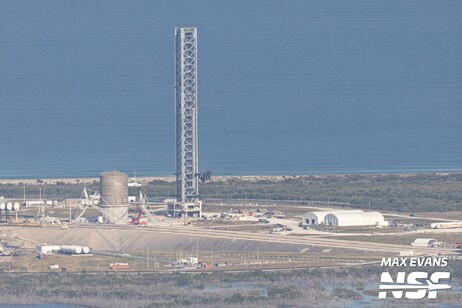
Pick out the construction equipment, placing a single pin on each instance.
(142, 208)
(93, 201)
(205, 176)
(85, 202)
(137, 219)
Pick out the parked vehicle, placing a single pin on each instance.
(115, 266)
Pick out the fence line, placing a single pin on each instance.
(271, 202)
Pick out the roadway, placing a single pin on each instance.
(383, 248)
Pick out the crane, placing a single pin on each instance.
(142, 209)
(85, 201)
(136, 219)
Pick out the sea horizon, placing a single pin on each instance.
(301, 88)
(268, 175)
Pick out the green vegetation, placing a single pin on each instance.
(411, 193)
(298, 288)
(59, 191)
(347, 293)
(408, 193)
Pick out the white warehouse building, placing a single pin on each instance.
(349, 219)
(316, 218)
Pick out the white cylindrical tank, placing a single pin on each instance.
(9, 206)
(71, 249)
(85, 250)
(2, 205)
(16, 206)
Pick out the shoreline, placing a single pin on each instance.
(250, 178)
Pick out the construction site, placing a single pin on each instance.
(110, 230)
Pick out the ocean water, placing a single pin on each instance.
(285, 87)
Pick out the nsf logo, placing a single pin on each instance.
(416, 285)
(413, 289)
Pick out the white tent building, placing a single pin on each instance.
(347, 219)
(424, 242)
(316, 218)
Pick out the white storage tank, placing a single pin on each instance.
(71, 249)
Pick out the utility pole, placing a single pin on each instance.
(258, 253)
(147, 258)
(43, 216)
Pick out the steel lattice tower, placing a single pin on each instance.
(187, 183)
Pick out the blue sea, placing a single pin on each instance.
(285, 87)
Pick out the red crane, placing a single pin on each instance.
(136, 220)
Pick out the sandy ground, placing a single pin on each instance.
(139, 239)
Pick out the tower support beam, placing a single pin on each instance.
(187, 182)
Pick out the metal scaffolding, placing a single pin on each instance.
(187, 182)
